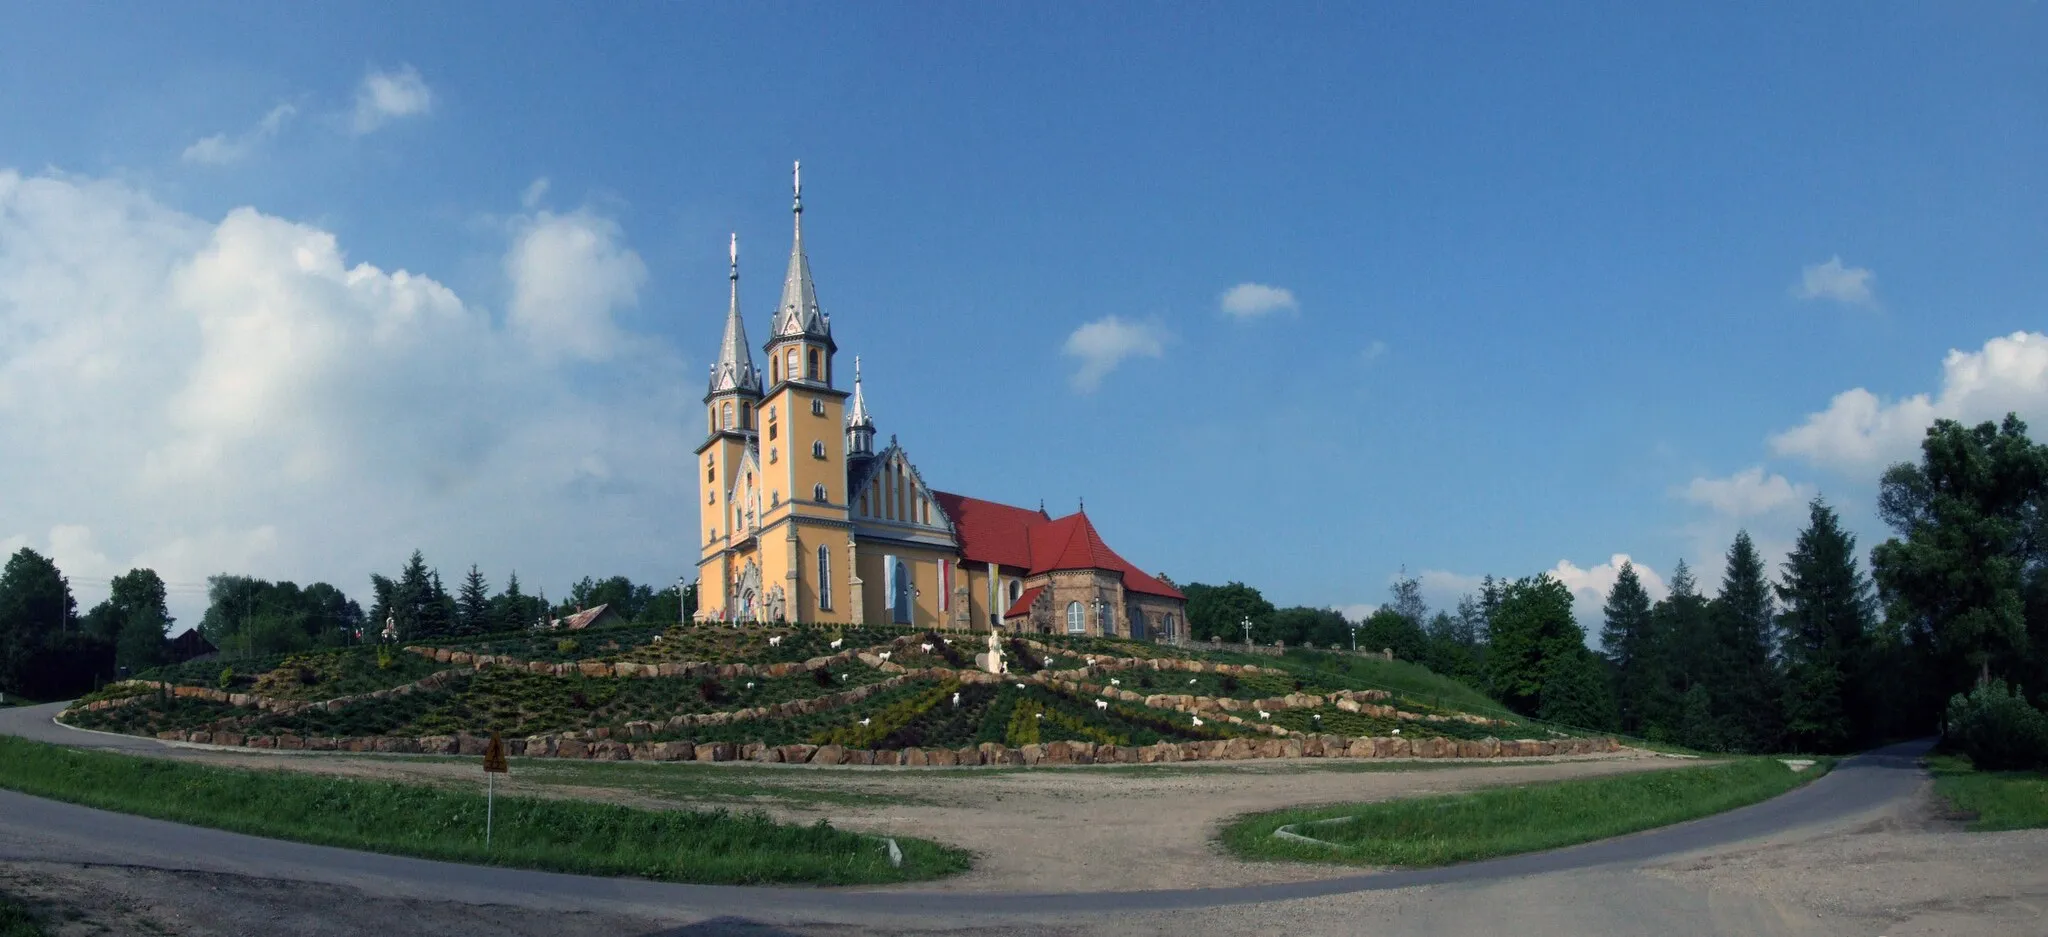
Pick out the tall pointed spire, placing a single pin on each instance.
(798, 314)
(860, 428)
(734, 370)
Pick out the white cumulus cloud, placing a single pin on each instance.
(1860, 432)
(1834, 280)
(242, 396)
(1747, 493)
(222, 149)
(387, 95)
(1252, 300)
(1105, 343)
(1590, 587)
(569, 273)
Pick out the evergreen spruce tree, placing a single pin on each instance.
(410, 600)
(511, 607)
(1680, 641)
(1743, 676)
(1827, 622)
(1696, 726)
(1627, 638)
(473, 604)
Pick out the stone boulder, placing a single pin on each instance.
(829, 755)
(797, 754)
(569, 747)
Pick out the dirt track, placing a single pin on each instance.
(1049, 829)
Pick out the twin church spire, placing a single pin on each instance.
(798, 316)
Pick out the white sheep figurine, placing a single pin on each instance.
(1115, 682)
(775, 641)
(926, 647)
(1191, 681)
(864, 719)
(750, 684)
(956, 699)
(1265, 715)
(836, 642)
(1101, 704)
(1020, 686)
(884, 655)
(1198, 722)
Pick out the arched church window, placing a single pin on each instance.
(1077, 621)
(817, 408)
(727, 422)
(790, 368)
(746, 416)
(818, 493)
(817, 449)
(811, 370)
(1016, 589)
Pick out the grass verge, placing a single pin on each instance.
(712, 847)
(17, 921)
(1430, 831)
(1999, 800)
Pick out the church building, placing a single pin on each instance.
(804, 519)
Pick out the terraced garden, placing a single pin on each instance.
(819, 694)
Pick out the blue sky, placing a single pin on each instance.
(1532, 288)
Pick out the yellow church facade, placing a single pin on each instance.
(804, 519)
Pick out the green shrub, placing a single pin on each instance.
(565, 646)
(227, 677)
(1998, 729)
(386, 658)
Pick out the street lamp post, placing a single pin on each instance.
(1247, 632)
(681, 617)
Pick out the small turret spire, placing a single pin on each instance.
(860, 428)
(734, 369)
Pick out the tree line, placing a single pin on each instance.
(49, 651)
(1825, 658)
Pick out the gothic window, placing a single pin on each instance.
(818, 449)
(1168, 630)
(774, 498)
(817, 408)
(771, 426)
(818, 493)
(727, 422)
(710, 472)
(1077, 621)
(824, 577)
(771, 453)
(789, 370)
(811, 371)
(746, 416)
(710, 497)
(1016, 590)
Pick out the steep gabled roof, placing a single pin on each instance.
(990, 532)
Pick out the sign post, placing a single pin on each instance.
(494, 765)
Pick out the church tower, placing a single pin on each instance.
(803, 448)
(731, 411)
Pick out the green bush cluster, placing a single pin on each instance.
(1997, 729)
(885, 723)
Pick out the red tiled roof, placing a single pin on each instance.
(1019, 537)
(989, 532)
(1023, 604)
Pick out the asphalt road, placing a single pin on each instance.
(42, 830)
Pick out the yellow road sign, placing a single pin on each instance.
(494, 756)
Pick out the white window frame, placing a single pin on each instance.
(1077, 618)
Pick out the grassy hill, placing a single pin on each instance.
(872, 688)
